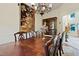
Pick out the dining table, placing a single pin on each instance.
(25, 47)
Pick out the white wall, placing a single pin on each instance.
(38, 22)
(63, 10)
(9, 21)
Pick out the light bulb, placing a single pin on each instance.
(35, 7)
(43, 8)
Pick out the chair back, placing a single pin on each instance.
(61, 45)
(56, 47)
(52, 49)
(25, 35)
(20, 36)
(61, 39)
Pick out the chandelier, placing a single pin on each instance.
(42, 8)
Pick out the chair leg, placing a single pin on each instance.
(62, 50)
(15, 38)
(54, 53)
(57, 53)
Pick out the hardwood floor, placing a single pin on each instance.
(30, 47)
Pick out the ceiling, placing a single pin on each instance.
(55, 5)
(39, 11)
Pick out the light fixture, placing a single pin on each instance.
(42, 8)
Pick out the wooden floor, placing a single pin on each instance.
(29, 47)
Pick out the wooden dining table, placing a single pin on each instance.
(26, 47)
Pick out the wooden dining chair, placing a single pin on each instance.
(53, 49)
(37, 33)
(34, 34)
(20, 36)
(46, 46)
(61, 45)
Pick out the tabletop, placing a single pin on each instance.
(27, 47)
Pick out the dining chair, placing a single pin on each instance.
(34, 34)
(60, 45)
(46, 47)
(20, 36)
(53, 49)
(37, 34)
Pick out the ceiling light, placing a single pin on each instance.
(42, 8)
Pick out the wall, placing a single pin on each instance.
(38, 22)
(63, 10)
(9, 21)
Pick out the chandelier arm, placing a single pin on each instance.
(43, 8)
